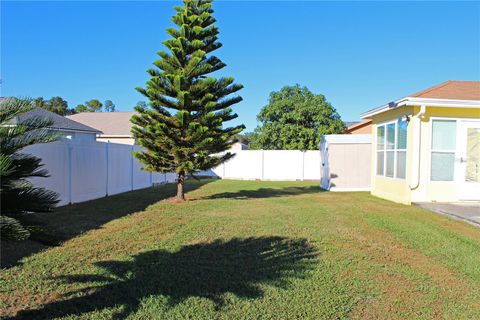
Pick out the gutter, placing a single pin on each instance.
(419, 116)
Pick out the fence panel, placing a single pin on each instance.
(54, 158)
(85, 170)
(119, 168)
(141, 178)
(88, 170)
(312, 165)
(246, 165)
(283, 165)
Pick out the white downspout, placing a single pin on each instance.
(418, 116)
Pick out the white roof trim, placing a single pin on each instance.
(430, 102)
(102, 135)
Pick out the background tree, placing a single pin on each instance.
(94, 105)
(57, 105)
(142, 104)
(18, 195)
(40, 102)
(81, 108)
(295, 119)
(109, 106)
(182, 130)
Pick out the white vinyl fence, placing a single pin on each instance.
(281, 165)
(86, 170)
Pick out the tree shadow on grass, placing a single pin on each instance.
(266, 193)
(69, 221)
(206, 270)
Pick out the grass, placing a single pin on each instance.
(245, 250)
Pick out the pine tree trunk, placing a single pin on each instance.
(180, 189)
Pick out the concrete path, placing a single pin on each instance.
(465, 211)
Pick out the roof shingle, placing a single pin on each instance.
(59, 122)
(452, 89)
(110, 123)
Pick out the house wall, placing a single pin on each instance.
(363, 128)
(441, 191)
(417, 168)
(392, 188)
(82, 136)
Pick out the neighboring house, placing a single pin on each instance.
(239, 146)
(69, 129)
(362, 127)
(426, 146)
(115, 126)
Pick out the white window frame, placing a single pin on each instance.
(385, 150)
(431, 150)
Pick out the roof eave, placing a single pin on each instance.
(415, 101)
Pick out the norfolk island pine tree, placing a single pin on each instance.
(182, 129)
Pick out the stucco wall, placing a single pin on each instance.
(391, 188)
(440, 191)
(418, 164)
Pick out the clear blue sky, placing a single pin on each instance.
(359, 55)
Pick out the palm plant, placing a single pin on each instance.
(18, 194)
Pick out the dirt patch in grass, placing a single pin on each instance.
(409, 284)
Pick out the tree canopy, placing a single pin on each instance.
(182, 128)
(57, 105)
(94, 105)
(295, 119)
(109, 106)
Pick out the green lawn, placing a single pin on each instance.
(245, 250)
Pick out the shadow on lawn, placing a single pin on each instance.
(72, 220)
(265, 193)
(206, 270)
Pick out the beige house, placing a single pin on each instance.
(115, 126)
(67, 128)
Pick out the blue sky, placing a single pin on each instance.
(358, 54)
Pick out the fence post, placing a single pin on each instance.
(263, 165)
(131, 168)
(303, 165)
(69, 161)
(107, 166)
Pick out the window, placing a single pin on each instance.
(392, 149)
(443, 149)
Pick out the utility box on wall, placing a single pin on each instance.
(345, 162)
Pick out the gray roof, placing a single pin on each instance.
(59, 122)
(110, 123)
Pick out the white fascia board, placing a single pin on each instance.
(447, 103)
(115, 135)
(430, 102)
